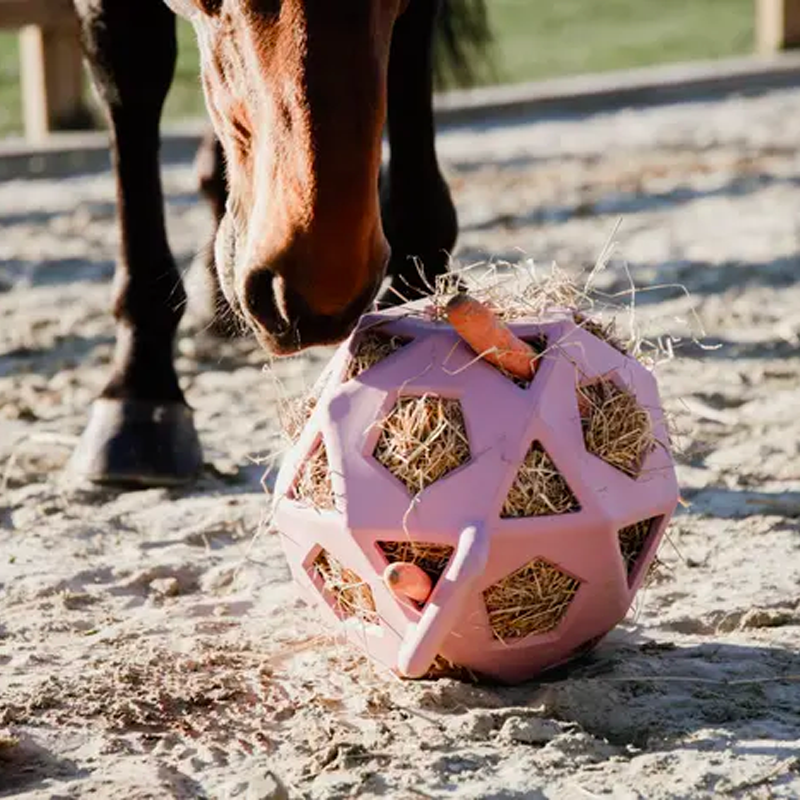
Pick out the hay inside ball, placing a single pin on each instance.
(633, 539)
(539, 489)
(531, 600)
(422, 439)
(616, 428)
(314, 487)
(351, 596)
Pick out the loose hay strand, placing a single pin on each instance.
(352, 597)
(615, 427)
(422, 439)
(534, 599)
(539, 489)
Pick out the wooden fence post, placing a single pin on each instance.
(777, 25)
(52, 80)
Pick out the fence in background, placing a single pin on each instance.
(777, 25)
(51, 67)
(52, 71)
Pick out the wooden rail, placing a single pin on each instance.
(51, 65)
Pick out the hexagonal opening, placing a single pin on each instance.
(423, 439)
(313, 485)
(370, 348)
(633, 541)
(539, 489)
(615, 427)
(430, 557)
(343, 589)
(531, 601)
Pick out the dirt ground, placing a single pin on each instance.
(151, 644)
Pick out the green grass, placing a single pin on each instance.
(538, 39)
(534, 39)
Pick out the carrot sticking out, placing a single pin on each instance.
(407, 581)
(489, 337)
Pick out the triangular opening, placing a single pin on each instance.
(429, 557)
(313, 484)
(634, 541)
(344, 590)
(539, 489)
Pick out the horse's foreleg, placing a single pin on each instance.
(419, 218)
(140, 430)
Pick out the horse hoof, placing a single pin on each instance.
(136, 443)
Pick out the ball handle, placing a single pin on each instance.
(423, 640)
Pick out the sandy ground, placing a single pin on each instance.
(151, 644)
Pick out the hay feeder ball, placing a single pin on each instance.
(438, 507)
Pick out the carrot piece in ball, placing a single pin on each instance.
(489, 337)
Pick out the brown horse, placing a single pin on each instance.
(299, 93)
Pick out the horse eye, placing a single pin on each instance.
(211, 7)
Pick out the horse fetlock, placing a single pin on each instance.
(143, 369)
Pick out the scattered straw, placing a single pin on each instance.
(615, 427)
(539, 488)
(632, 541)
(431, 558)
(423, 439)
(534, 599)
(369, 349)
(351, 596)
(313, 485)
(655, 572)
(517, 295)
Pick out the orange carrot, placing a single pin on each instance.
(406, 580)
(489, 337)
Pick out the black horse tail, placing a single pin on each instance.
(462, 42)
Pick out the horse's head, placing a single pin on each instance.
(296, 90)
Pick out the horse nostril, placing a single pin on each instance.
(260, 302)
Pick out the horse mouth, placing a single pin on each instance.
(306, 330)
